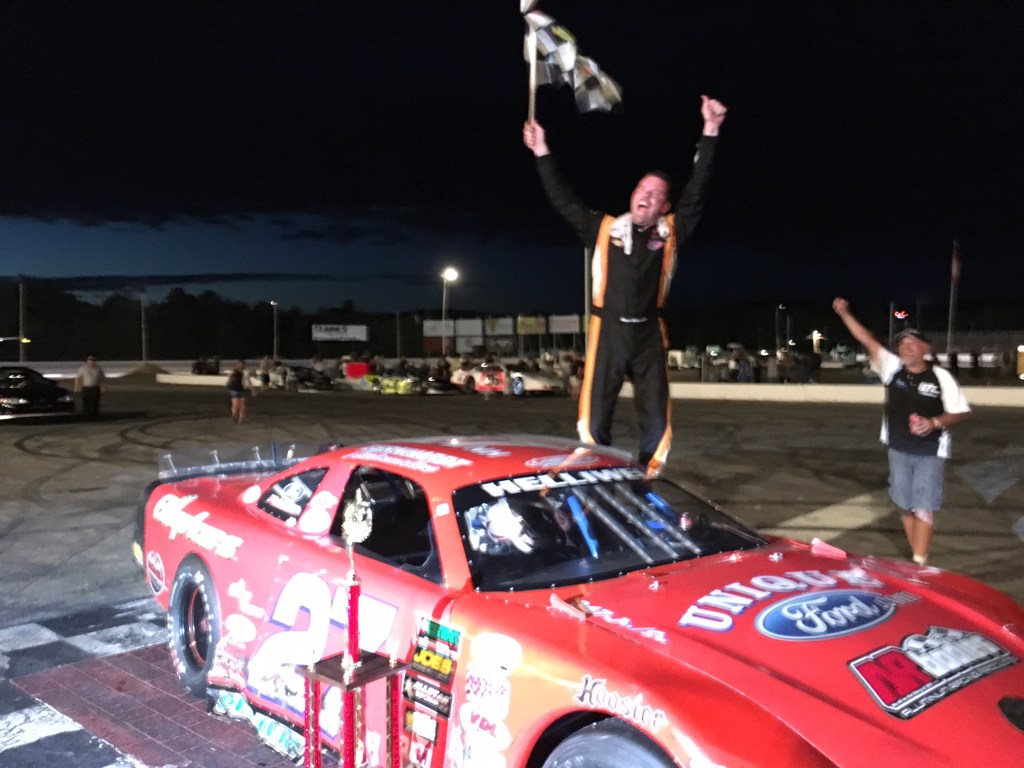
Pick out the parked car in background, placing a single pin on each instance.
(517, 380)
(206, 366)
(26, 392)
(396, 383)
(466, 376)
(307, 378)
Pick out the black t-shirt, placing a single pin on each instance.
(909, 393)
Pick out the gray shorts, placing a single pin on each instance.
(915, 482)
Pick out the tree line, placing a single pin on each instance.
(182, 326)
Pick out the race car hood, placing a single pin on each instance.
(891, 649)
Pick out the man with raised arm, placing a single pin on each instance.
(634, 260)
(922, 402)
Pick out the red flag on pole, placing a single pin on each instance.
(954, 274)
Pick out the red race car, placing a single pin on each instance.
(558, 608)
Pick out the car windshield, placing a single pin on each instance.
(573, 527)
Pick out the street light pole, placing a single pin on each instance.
(778, 329)
(273, 304)
(449, 275)
(143, 332)
(22, 343)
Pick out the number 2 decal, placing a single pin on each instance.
(271, 669)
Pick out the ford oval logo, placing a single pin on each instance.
(824, 615)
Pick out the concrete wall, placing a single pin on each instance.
(1011, 397)
(1007, 397)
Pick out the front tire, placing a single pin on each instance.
(608, 744)
(518, 387)
(193, 623)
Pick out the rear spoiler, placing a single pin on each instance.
(279, 458)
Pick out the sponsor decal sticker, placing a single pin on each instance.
(486, 451)
(420, 754)
(155, 573)
(715, 610)
(924, 669)
(419, 459)
(421, 724)
(562, 459)
(433, 665)
(428, 629)
(482, 731)
(418, 691)
(241, 593)
(824, 615)
(594, 693)
(560, 480)
(609, 616)
(170, 511)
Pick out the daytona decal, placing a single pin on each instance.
(594, 693)
(824, 615)
(170, 511)
(714, 611)
(561, 480)
(924, 669)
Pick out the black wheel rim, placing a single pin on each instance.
(195, 628)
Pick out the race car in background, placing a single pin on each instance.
(557, 607)
(514, 379)
(26, 392)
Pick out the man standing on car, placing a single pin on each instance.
(922, 401)
(89, 383)
(634, 259)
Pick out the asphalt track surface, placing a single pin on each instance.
(70, 488)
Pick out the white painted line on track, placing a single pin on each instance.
(26, 726)
(834, 520)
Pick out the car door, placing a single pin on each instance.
(399, 576)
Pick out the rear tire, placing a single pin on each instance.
(518, 387)
(608, 744)
(469, 386)
(193, 622)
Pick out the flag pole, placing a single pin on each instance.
(531, 45)
(954, 281)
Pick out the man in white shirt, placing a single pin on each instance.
(922, 402)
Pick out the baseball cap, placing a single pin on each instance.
(910, 333)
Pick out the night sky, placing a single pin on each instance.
(364, 146)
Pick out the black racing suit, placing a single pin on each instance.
(627, 336)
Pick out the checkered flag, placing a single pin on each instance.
(555, 59)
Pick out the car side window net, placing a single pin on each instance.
(401, 533)
(532, 532)
(287, 498)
